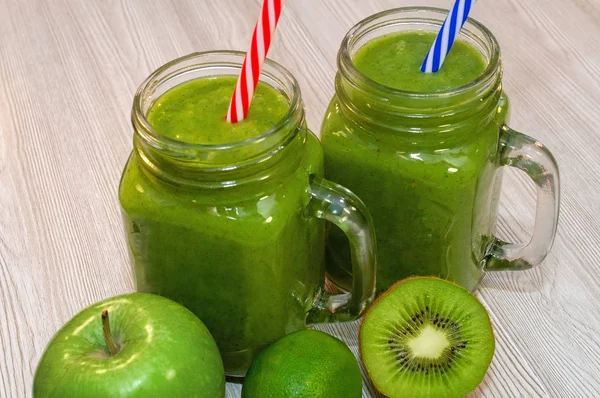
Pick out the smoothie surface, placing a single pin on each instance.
(395, 61)
(194, 112)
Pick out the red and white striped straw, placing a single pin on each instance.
(255, 57)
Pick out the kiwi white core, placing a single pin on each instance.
(429, 343)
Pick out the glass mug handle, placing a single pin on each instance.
(336, 204)
(527, 154)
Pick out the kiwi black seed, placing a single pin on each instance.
(426, 337)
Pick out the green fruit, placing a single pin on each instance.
(134, 345)
(426, 337)
(304, 364)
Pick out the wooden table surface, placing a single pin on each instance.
(68, 72)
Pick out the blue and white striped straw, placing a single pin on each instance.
(443, 42)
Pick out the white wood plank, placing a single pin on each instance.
(68, 71)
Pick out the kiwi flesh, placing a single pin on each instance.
(426, 337)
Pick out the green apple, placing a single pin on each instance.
(134, 345)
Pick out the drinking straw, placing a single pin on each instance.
(443, 42)
(255, 57)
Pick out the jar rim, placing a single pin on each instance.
(216, 165)
(153, 80)
(349, 71)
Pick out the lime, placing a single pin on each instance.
(304, 364)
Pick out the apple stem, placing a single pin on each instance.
(113, 348)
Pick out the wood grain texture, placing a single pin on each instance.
(68, 71)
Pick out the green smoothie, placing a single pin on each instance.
(395, 61)
(243, 258)
(428, 182)
(193, 112)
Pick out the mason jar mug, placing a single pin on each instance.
(235, 232)
(428, 165)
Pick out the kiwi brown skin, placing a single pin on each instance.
(389, 291)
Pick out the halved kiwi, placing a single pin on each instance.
(426, 337)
